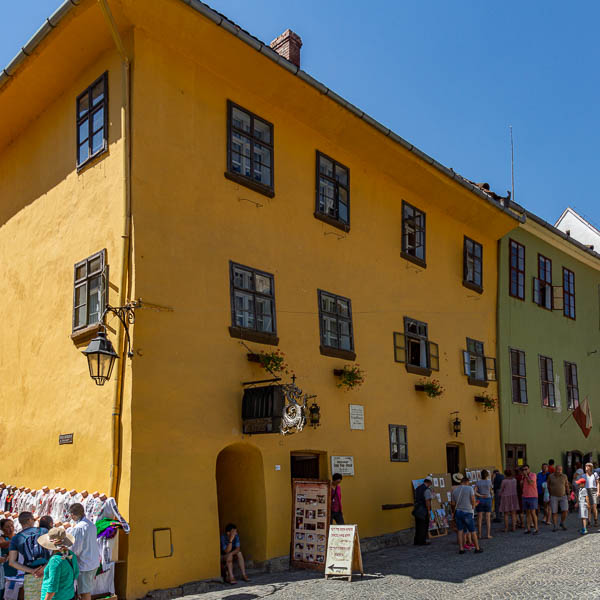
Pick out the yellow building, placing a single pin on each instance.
(214, 177)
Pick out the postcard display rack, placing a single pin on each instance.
(441, 495)
(311, 514)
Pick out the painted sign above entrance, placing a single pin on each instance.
(344, 465)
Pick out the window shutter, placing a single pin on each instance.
(536, 291)
(399, 347)
(558, 298)
(490, 368)
(467, 363)
(434, 356)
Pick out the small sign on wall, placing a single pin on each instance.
(65, 438)
(357, 416)
(344, 465)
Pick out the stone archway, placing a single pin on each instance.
(241, 497)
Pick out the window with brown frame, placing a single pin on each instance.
(333, 192)
(472, 265)
(249, 150)
(542, 285)
(335, 324)
(89, 292)
(568, 293)
(547, 382)
(572, 385)
(413, 234)
(415, 349)
(92, 121)
(398, 443)
(252, 304)
(517, 270)
(518, 373)
(478, 367)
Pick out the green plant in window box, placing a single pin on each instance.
(489, 403)
(351, 377)
(432, 387)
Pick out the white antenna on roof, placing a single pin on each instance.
(512, 164)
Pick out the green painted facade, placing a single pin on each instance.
(536, 331)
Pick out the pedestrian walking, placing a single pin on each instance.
(543, 508)
(337, 514)
(35, 557)
(463, 504)
(520, 513)
(13, 580)
(483, 493)
(583, 503)
(530, 500)
(558, 487)
(497, 479)
(509, 499)
(591, 488)
(62, 569)
(85, 548)
(421, 512)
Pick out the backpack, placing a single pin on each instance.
(32, 551)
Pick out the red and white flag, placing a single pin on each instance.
(583, 416)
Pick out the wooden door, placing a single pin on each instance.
(452, 459)
(305, 466)
(515, 456)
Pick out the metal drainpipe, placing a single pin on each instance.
(126, 243)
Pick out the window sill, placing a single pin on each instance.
(394, 506)
(473, 286)
(337, 353)
(520, 403)
(86, 334)
(333, 222)
(413, 259)
(418, 370)
(260, 337)
(265, 190)
(91, 160)
(478, 382)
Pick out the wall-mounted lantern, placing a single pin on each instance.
(315, 415)
(456, 424)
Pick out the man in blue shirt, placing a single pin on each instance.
(230, 547)
(543, 507)
(35, 557)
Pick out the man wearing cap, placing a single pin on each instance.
(421, 512)
(85, 548)
(35, 557)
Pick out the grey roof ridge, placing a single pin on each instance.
(222, 21)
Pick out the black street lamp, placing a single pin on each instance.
(100, 353)
(456, 424)
(315, 414)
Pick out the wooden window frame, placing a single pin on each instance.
(518, 376)
(84, 281)
(568, 294)
(248, 333)
(488, 362)
(422, 262)
(543, 362)
(249, 181)
(335, 222)
(334, 351)
(397, 428)
(572, 398)
(89, 118)
(513, 246)
(541, 279)
(401, 344)
(472, 285)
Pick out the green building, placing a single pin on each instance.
(548, 345)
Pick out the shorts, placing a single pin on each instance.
(530, 503)
(12, 588)
(484, 506)
(559, 503)
(32, 587)
(592, 495)
(464, 521)
(85, 581)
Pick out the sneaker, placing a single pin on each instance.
(478, 551)
(528, 531)
(583, 531)
(461, 551)
(535, 532)
(469, 546)
(563, 527)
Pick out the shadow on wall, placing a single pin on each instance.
(241, 497)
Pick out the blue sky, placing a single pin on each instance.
(449, 77)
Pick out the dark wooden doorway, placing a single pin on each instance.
(515, 456)
(452, 459)
(305, 466)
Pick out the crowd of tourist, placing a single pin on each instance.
(519, 498)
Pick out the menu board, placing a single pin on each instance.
(343, 551)
(311, 513)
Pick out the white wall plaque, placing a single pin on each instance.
(357, 416)
(344, 465)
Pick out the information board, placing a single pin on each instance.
(343, 551)
(357, 416)
(311, 514)
(344, 465)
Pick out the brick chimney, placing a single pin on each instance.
(288, 45)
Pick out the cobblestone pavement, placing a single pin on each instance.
(550, 565)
